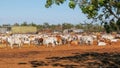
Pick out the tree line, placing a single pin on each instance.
(112, 26)
(88, 27)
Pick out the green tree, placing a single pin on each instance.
(53, 27)
(32, 24)
(97, 28)
(24, 24)
(50, 2)
(93, 8)
(40, 27)
(46, 25)
(79, 26)
(98, 10)
(67, 26)
(16, 24)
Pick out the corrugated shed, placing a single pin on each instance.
(3, 30)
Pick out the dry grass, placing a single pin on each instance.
(24, 29)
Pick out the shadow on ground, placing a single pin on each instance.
(84, 60)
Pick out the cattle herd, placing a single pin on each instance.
(101, 39)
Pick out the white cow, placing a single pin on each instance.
(109, 37)
(86, 40)
(50, 40)
(14, 40)
(101, 43)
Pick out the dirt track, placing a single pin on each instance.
(61, 57)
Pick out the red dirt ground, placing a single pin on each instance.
(36, 57)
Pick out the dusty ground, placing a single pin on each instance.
(64, 56)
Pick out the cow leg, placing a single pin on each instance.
(19, 45)
(53, 45)
(47, 44)
(11, 45)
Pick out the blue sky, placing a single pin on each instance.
(19, 11)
